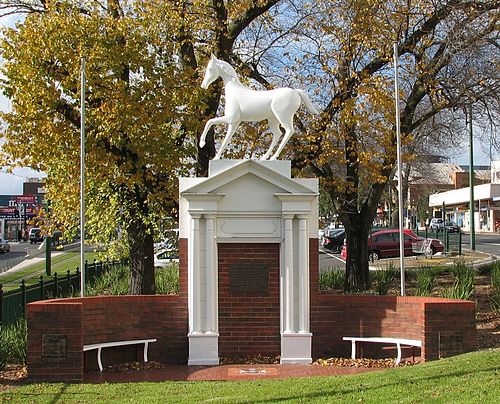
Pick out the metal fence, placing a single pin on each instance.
(13, 302)
(452, 241)
(9, 263)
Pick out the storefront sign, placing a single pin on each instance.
(25, 199)
(8, 212)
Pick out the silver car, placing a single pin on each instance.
(4, 246)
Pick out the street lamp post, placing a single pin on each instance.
(82, 180)
(400, 176)
(472, 238)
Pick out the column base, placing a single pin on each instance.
(203, 348)
(296, 348)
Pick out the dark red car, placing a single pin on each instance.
(385, 243)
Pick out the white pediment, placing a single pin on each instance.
(244, 173)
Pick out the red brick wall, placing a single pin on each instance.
(249, 324)
(62, 322)
(102, 319)
(449, 328)
(445, 327)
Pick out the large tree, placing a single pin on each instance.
(144, 106)
(343, 50)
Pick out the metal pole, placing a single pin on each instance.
(19, 233)
(82, 180)
(472, 238)
(400, 177)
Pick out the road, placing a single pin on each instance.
(487, 243)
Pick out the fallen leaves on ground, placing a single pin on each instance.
(363, 363)
(133, 366)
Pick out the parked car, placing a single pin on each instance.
(333, 239)
(164, 258)
(4, 246)
(452, 227)
(385, 243)
(436, 224)
(35, 235)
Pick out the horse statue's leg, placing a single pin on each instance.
(229, 134)
(208, 125)
(287, 123)
(274, 125)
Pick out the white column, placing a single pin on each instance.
(196, 278)
(211, 281)
(288, 261)
(303, 257)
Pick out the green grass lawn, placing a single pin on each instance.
(469, 378)
(59, 264)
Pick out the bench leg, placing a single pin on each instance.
(146, 345)
(353, 349)
(398, 359)
(99, 362)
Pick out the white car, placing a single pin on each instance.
(164, 258)
(4, 246)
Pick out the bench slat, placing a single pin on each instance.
(101, 345)
(382, 340)
(389, 340)
(116, 343)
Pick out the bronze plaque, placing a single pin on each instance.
(249, 278)
(54, 346)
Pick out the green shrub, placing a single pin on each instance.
(331, 279)
(426, 280)
(13, 343)
(167, 280)
(116, 281)
(463, 286)
(383, 279)
(495, 302)
(495, 276)
(112, 282)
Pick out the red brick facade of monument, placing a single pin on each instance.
(249, 324)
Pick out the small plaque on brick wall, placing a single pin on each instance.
(249, 278)
(54, 346)
(450, 343)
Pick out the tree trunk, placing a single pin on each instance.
(142, 276)
(357, 269)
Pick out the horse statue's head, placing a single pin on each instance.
(217, 68)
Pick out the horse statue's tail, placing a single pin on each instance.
(307, 102)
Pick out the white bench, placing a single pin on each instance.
(118, 343)
(383, 340)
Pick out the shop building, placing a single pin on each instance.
(486, 204)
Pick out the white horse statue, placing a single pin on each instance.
(246, 105)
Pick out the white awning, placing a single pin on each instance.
(460, 196)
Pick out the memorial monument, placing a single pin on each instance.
(246, 230)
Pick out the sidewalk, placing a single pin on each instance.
(223, 373)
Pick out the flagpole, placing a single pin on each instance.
(400, 182)
(82, 180)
